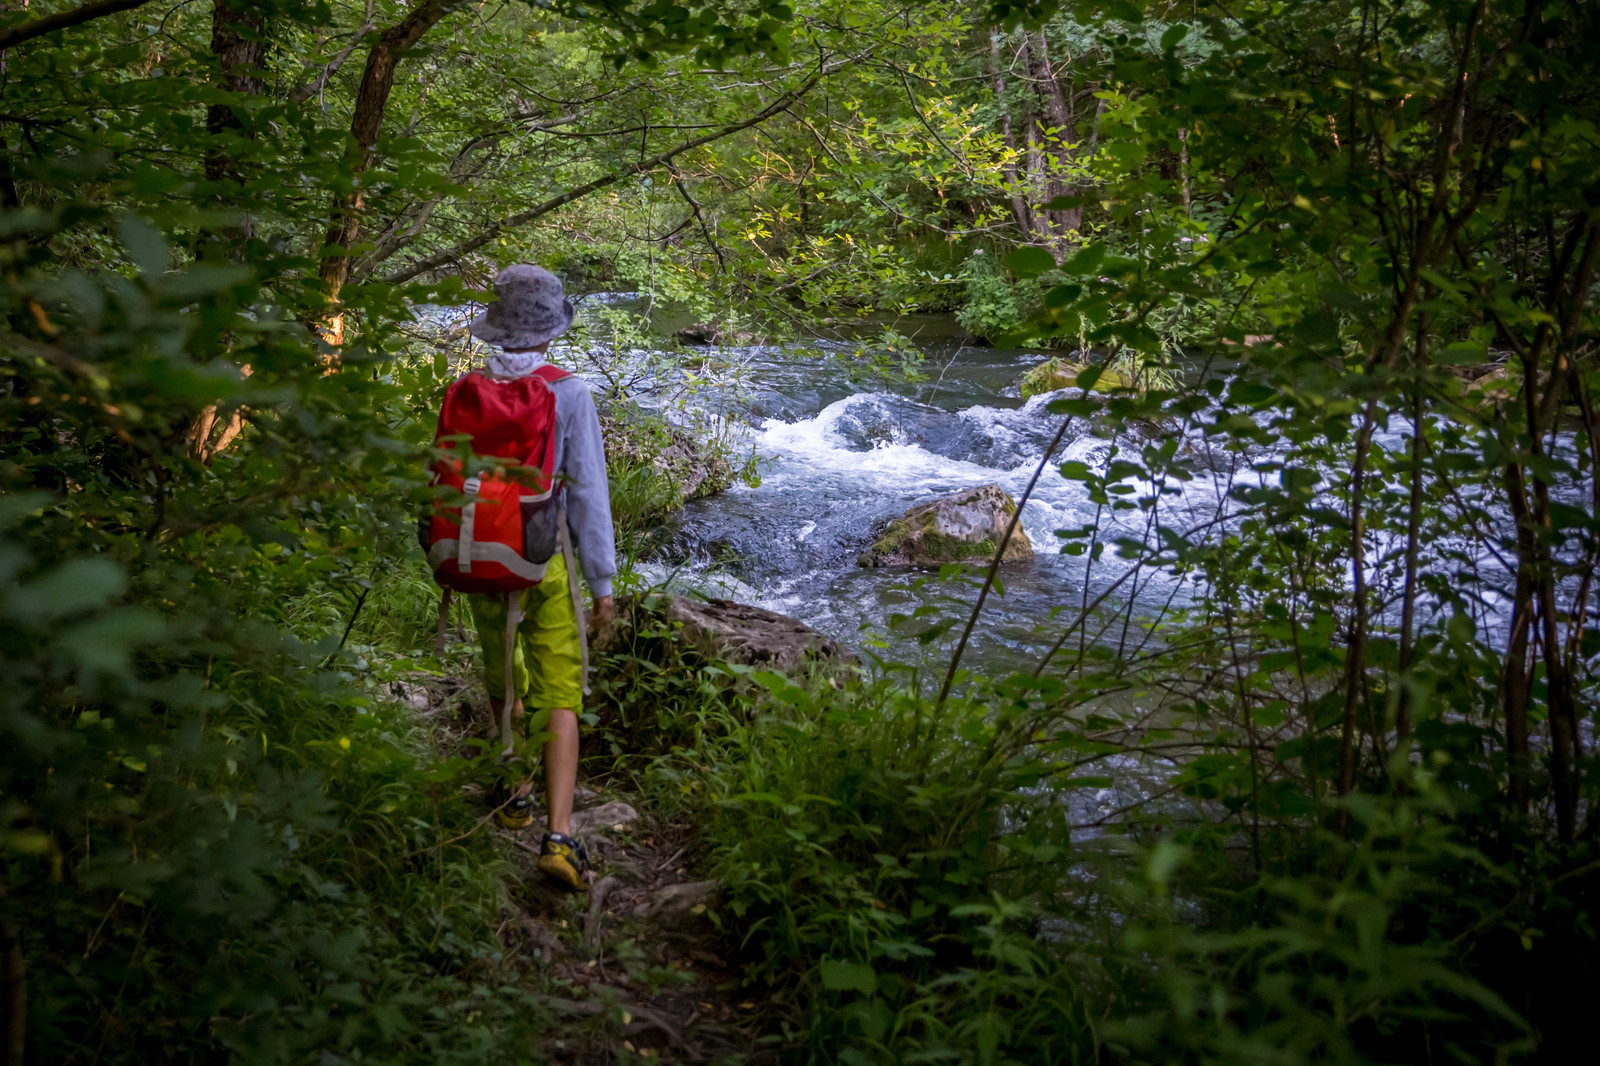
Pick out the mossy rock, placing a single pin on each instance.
(1494, 388)
(964, 527)
(705, 334)
(1057, 373)
(636, 438)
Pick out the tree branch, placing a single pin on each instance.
(334, 65)
(366, 121)
(522, 218)
(12, 36)
(705, 230)
(407, 223)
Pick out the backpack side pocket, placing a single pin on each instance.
(539, 527)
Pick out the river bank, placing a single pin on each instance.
(905, 867)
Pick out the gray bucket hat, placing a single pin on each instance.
(530, 309)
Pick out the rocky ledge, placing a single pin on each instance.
(963, 527)
(754, 636)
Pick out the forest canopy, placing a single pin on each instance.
(1282, 750)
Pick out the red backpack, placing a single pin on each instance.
(503, 537)
(500, 539)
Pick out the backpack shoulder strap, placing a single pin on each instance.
(551, 374)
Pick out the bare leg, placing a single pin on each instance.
(561, 768)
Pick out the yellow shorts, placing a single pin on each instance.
(547, 662)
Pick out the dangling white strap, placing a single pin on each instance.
(513, 618)
(564, 538)
(444, 620)
(469, 513)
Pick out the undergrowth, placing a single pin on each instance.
(906, 880)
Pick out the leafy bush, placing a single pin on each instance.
(1360, 950)
(216, 838)
(998, 307)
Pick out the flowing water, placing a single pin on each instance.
(842, 452)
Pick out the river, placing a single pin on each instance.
(842, 450)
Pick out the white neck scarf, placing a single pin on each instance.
(514, 364)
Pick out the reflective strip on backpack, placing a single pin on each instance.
(469, 514)
(486, 552)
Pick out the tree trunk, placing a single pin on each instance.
(238, 40)
(14, 963)
(1356, 655)
(1515, 689)
(1051, 150)
(16, 997)
(1019, 202)
(1402, 712)
(366, 122)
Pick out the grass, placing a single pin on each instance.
(874, 877)
(903, 885)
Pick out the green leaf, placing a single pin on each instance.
(1250, 393)
(839, 975)
(1317, 330)
(1175, 34)
(1464, 353)
(1062, 295)
(14, 507)
(1076, 470)
(145, 244)
(1086, 261)
(1030, 261)
(73, 587)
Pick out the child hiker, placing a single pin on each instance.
(509, 548)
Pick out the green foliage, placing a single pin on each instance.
(1350, 812)
(997, 307)
(906, 878)
(1364, 954)
(231, 847)
(885, 868)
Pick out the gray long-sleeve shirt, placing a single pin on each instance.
(580, 463)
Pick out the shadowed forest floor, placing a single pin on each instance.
(638, 969)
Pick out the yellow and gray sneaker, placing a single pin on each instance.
(564, 860)
(512, 812)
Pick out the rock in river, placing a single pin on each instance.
(741, 633)
(705, 334)
(963, 527)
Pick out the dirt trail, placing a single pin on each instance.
(643, 962)
(636, 970)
